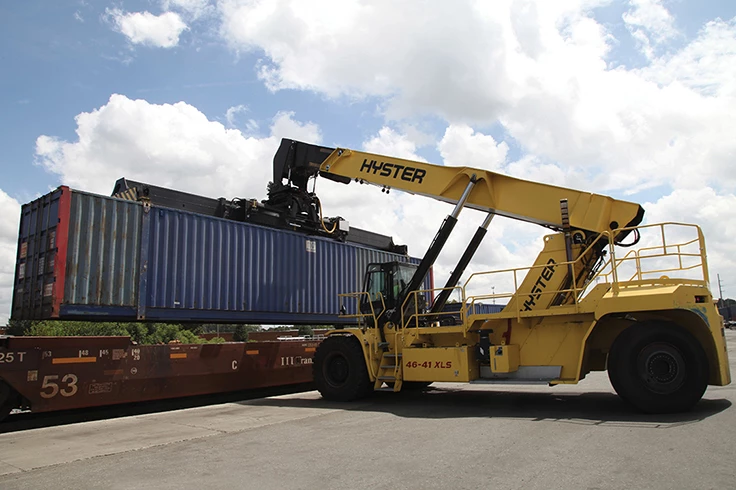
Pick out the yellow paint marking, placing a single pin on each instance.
(310, 349)
(251, 352)
(181, 355)
(112, 372)
(73, 360)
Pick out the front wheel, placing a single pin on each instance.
(339, 369)
(658, 368)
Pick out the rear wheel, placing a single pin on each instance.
(658, 368)
(340, 372)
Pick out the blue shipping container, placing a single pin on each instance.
(83, 255)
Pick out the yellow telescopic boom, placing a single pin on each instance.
(500, 194)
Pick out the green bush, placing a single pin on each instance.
(53, 328)
(141, 333)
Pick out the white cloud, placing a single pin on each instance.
(541, 69)
(711, 211)
(172, 145)
(193, 9)
(389, 142)
(249, 127)
(160, 31)
(462, 146)
(650, 23)
(9, 219)
(706, 65)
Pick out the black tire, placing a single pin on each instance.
(658, 368)
(339, 369)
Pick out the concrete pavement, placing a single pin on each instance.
(455, 436)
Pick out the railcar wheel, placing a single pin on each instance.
(658, 368)
(8, 400)
(339, 369)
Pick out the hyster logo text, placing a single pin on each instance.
(540, 285)
(393, 170)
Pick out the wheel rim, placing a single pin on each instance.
(336, 369)
(662, 368)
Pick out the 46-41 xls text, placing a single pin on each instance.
(429, 364)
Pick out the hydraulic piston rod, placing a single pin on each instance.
(462, 264)
(434, 249)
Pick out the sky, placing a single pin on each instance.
(634, 99)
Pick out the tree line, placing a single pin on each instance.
(144, 333)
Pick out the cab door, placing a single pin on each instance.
(379, 296)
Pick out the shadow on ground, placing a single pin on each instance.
(440, 403)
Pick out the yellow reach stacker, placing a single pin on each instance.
(605, 293)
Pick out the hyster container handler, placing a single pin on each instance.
(646, 314)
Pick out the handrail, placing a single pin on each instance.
(642, 259)
(417, 315)
(641, 254)
(360, 315)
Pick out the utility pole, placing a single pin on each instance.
(720, 291)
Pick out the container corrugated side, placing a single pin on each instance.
(35, 269)
(76, 248)
(103, 251)
(209, 268)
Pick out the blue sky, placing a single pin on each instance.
(57, 66)
(630, 98)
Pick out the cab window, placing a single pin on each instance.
(375, 283)
(402, 277)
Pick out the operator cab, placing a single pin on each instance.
(388, 279)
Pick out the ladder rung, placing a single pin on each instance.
(387, 378)
(389, 367)
(392, 355)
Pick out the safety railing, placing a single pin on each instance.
(412, 314)
(516, 277)
(685, 256)
(373, 350)
(358, 313)
(665, 258)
